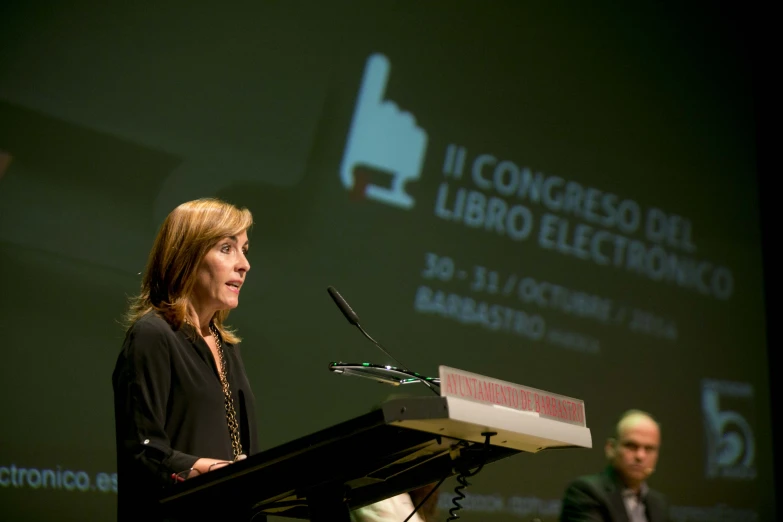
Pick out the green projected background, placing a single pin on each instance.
(561, 196)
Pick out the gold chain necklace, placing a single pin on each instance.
(231, 414)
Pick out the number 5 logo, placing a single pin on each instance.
(384, 138)
(731, 446)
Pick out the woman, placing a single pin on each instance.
(183, 405)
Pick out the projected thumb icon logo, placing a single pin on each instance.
(383, 138)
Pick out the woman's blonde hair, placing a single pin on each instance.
(184, 238)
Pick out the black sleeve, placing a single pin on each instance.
(580, 504)
(142, 382)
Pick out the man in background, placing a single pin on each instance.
(620, 493)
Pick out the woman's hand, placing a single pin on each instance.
(205, 465)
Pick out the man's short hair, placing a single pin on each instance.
(631, 413)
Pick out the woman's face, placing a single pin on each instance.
(221, 276)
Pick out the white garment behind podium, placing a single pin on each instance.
(394, 509)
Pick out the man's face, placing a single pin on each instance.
(634, 453)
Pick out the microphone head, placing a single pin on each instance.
(342, 304)
(649, 471)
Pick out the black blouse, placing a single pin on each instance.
(169, 410)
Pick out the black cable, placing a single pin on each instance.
(425, 498)
(462, 478)
(463, 481)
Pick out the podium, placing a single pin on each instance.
(403, 445)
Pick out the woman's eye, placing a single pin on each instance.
(225, 249)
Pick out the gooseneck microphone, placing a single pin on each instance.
(349, 314)
(344, 307)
